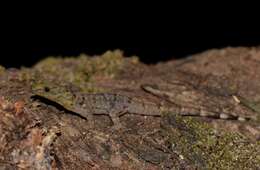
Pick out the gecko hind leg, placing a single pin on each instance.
(115, 119)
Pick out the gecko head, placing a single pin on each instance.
(60, 94)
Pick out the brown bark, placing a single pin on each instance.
(45, 134)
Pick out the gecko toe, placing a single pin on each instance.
(117, 127)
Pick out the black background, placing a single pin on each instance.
(153, 32)
(150, 48)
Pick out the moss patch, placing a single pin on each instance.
(196, 142)
(81, 69)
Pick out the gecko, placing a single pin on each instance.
(115, 105)
(112, 104)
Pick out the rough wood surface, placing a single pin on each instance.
(218, 91)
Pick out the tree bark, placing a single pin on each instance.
(219, 90)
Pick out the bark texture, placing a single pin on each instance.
(40, 133)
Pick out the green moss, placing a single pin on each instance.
(199, 144)
(83, 68)
(108, 64)
(82, 71)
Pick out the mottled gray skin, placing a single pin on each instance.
(113, 105)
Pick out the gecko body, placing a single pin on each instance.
(113, 105)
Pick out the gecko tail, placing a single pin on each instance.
(231, 117)
(213, 115)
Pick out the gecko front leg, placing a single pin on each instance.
(114, 115)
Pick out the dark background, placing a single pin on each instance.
(154, 33)
(150, 48)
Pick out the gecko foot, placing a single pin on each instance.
(117, 127)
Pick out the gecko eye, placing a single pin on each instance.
(46, 89)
